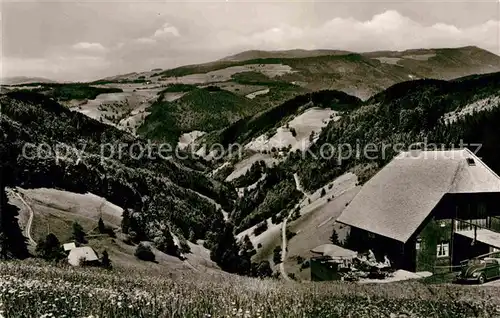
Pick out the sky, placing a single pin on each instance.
(86, 40)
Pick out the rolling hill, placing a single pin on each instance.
(436, 111)
(260, 187)
(19, 80)
(204, 109)
(359, 74)
(46, 145)
(405, 113)
(252, 82)
(297, 53)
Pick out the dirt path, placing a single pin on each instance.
(27, 230)
(298, 185)
(283, 249)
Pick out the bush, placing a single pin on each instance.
(78, 234)
(262, 269)
(184, 246)
(290, 234)
(295, 215)
(144, 252)
(277, 255)
(49, 248)
(105, 261)
(260, 228)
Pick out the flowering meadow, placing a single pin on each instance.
(40, 290)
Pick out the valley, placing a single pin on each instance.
(226, 227)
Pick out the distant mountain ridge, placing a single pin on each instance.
(295, 53)
(359, 74)
(302, 53)
(16, 80)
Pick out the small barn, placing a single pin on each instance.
(69, 246)
(82, 255)
(427, 211)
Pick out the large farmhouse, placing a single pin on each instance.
(427, 210)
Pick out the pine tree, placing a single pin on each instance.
(334, 238)
(49, 248)
(78, 233)
(12, 241)
(225, 250)
(311, 136)
(101, 227)
(3, 246)
(125, 221)
(323, 192)
(167, 244)
(106, 262)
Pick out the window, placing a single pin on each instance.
(443, 250)
(471, 162)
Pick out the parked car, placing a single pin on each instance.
(479, 271)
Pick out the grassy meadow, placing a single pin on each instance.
(39, 290)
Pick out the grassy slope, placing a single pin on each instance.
(36, 289)
(246, 129)
(55, 211)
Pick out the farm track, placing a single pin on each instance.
(27, 230)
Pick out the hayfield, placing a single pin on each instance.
(40, 290)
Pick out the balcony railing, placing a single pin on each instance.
(491, 223)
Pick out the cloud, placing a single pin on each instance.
(145, 41)
(89, 47)
(385, 31)
(166, 30)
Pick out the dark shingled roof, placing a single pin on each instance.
(396, 201)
